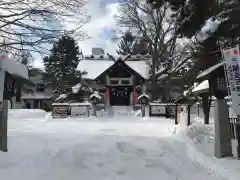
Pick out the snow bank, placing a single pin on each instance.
(199, 141)
(201, 133)
(17, 114)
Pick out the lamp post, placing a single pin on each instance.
(219, 89)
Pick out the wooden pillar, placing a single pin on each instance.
(135, 96)
(107, 97)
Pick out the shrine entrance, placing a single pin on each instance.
(120, 95)
(120, 81)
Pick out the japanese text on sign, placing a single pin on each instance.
(232, 59)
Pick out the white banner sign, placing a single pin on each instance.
(232, 68)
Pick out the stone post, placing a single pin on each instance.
(222, 129)
(183, 116)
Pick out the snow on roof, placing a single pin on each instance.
(13, 67)
(95, 94)
(93, 68)
(96, 67)
(141, 67)
(143, 95)
(210, 70)
(161, 104)
(81, 104)
(60, 104)
(37, 95)
(163, 76)
(62, 96)
(202, 87)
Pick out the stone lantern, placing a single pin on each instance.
(143, 100)
(218, 88)
(94, 99)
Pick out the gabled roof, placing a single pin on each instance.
(210, 70)
(203, 87)
(94, 68)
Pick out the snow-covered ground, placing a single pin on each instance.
(106, 148)
(200, 137)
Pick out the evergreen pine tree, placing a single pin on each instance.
(126, 44)
(61, 64)
(130, 44)
(140, 47)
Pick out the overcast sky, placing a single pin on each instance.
(101, 28)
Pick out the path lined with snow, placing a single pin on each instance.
(104, 150)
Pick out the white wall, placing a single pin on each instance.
(15, 105)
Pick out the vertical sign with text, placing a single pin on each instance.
(232, 68)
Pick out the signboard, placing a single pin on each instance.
(159, 109)
(232, 69)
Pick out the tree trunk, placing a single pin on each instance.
(206, 107)
(154, 78)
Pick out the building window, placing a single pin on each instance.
(114, 82)
(125, 82)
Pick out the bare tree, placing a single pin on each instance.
(157, 28)
(31, 24)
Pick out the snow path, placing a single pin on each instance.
(106, 150)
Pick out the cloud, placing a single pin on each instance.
(38, 64)
(102, 26)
